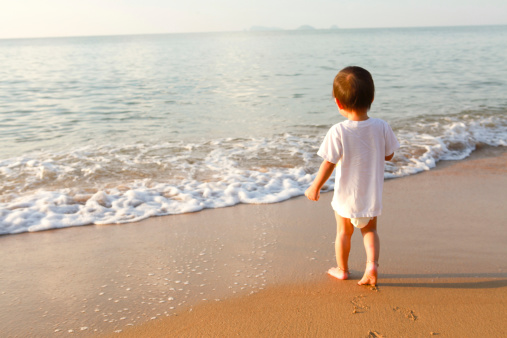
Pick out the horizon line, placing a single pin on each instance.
(249, 30)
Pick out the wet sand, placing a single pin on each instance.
(259, 270)
(443, 268)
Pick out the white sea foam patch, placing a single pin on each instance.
(46, 210)
(427, 140)
(105, 185)
(118, 184)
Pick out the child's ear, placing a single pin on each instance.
(338, 103)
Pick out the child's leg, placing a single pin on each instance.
(372, 247)
(344, 231)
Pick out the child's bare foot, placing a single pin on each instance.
(338, 273)
(370, 274)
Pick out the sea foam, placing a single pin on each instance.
(118, 184)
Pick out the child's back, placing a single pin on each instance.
(357, 148)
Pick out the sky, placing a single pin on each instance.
(52, 18)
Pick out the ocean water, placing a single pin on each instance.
(102, 130)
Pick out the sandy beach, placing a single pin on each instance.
(259, 270)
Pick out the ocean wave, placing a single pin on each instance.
(428, 139)
(118, 184)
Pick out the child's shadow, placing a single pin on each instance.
(496, 281)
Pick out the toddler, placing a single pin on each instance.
(357, 147)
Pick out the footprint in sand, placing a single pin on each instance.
(406, 312)
(359, 307)
(374, 334)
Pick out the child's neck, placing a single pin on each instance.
(355, 115)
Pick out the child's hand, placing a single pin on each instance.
(325, 171)
(312, 194)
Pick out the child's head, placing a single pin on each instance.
(354, 88)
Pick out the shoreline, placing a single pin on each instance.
(99, 279)
(452, 298)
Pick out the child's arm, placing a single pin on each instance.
(325, 171)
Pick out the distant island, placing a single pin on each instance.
(262, 28)
(305, 28)
(300, 28)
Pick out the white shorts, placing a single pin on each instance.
(360, 222)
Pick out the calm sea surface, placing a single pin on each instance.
(117, 129)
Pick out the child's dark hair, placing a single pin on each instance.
(354, 88)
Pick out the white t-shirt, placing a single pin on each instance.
(358, 148)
